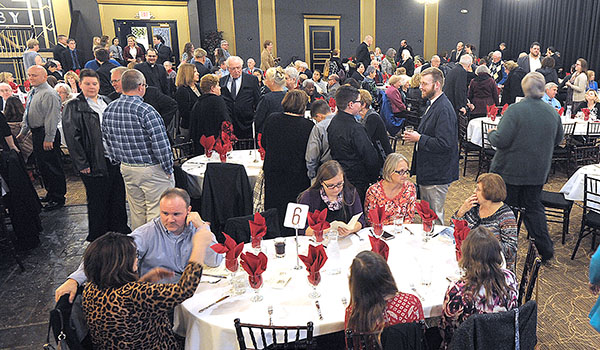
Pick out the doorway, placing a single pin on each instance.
(144, 30)
(321, 36)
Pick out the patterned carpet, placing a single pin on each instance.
(563, 300)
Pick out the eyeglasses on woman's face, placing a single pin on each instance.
(402, 172)
(333, 186)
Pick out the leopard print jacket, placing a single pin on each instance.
(135, 316)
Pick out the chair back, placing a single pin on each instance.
(406, 336)
(591, 195)
(532, 254)
(485, 129)
(532, 279)
(393, 125)
(241, 144)
(568, 130)
(585, 155)
(363, 341)
(239, 228)
(592, 134)
(182, 152)
(269, 336)
(463, 123)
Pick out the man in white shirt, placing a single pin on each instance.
(531, 62)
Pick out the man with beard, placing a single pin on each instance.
(532, 61)
(435, 157)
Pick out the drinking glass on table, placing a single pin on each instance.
(314, 279)
(428, 227)
(399, 223)
(255, 283)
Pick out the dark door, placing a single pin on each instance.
(321, 44)
(144, 30)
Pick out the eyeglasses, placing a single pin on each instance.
(402, 172)
(144, 85)
(359, 101)
(115, 81)
(334, 186)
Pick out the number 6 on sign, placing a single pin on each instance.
(295, 215)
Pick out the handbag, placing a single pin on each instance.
(65, 333)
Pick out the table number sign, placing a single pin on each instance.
(295, 216)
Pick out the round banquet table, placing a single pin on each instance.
(580, 124)
(474, 129)
(196, 167)
(409, 258)
(573, 188)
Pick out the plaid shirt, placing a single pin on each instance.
(135, 133)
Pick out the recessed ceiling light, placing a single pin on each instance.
(464, 11)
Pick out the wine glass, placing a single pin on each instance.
(399, 223)
(378, 230)
(313, 280)
(232, 265)
(255, 283)
(427, 230)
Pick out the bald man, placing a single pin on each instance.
(42, 114)
(362, 51)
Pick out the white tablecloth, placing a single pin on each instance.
(474, 129)
(573, 188)
(409, 257)
(580, 125)
(196, 167)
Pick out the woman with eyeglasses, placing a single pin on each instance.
(394, 192)
(331, 191)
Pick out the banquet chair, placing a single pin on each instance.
(404, 336)
(585, 155)
(468, 150)
(239, 228)
(394, 141)
(305, 343)
(530, 258)
(590, 219)
(486, 153)
(362, 341)
(182, 151)
(592, 135)
(242, 144)
(558, 210)
(563, 152)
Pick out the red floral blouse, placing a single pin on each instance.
(404, 202)
(402, 308)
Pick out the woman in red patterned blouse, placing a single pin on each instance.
(375, 302)
(395, 192)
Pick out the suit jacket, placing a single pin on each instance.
(362, 54)
(435, 158)
(202, 69)
(164, 53)
(455, 87)
(69, 60)
(164, 105)
(59, 53)
(455, 56)
(243, 107)
(103, 72)
(155, 76)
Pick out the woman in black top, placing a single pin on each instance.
(358, 74)
(375, 126)
(271, 101)
(187, 93)
(209, 112)
(284, 139)
(548, 70)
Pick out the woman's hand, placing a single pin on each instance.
(467, 205)
(343, 232)
(156, 274)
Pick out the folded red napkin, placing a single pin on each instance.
(561, 111)
(586, 113)
(426, 213)
(254, 265)
(377, 215)
(258, 229)
(332, 104)
(314, 261)
(261, 150)
(231, 249)
(504, 108)
(317, 220)
(380, 247)
(227, 129)
(208, 143)
(222, 149)
(492, 111)
(461, 231)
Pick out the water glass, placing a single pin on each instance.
(399, 224)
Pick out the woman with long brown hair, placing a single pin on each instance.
(187, 93)
(485, 286)
(577, 83)
(375, 302)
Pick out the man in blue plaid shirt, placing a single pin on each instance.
(136, 137)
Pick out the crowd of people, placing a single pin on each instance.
(121, 112)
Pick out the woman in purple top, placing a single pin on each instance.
(331, 191)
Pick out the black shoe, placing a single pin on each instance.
(53, 205)
(547, 261)
(45, 199)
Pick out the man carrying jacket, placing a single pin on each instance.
(101, 177)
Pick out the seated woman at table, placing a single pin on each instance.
(208, 113)
(485, 286)
(124, 311)
(395, 96)
(485, 208)
(592, 102)
(331, 190)
(375, 302)
(394, 192)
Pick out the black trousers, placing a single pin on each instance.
(106, 203)
(528, 197)
(50, 165)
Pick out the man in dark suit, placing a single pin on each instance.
(362, 51)
(404, 46)
(155, 73)
(456, 84)
(435, 157)
(533, 61)
(103, 71)
(164, 52)
(458, 53)
(73, 58)
(60, 50)
(241, 94)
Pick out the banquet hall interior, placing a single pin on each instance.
(303, 35)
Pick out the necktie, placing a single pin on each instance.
(26, 113)
(233, 89)
(75, 60)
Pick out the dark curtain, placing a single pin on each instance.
(571, 26)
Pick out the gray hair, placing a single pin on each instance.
(277, 75)
(406, 54)
(370, 69)
(224, 42)
(119, 69)
(550, 85)
(390, 52)
(64, 86)
(533, 85)
(404, 79)
(292, 72)
(466, 60)
(234, 58)
(391, 162)
(497, 54)
(308, 81)
(482, 69)
(131, 79)
(5, 85)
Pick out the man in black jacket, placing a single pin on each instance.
(349, 143)
(458, 52)
(155, 73)
(241, 94)
(60, 51)
(74, 59)
(435, 157)
(102, 178)
(362, 51)
(200, 62)
(164, 105)
(104, 70)
(456, 85)
(164, 52)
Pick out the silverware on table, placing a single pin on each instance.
(345, 301)
(414, 289)
(409, 231)
(357, 235)
(213, 304)
(211, 282)
(270, 312)
(212, 275)
(319, 310)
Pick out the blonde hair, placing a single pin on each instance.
(415, 81)
(31, 43)
(207, 82)
(394, 79)
(365, 97)
(4, 76)
(276, 75)
(71, 74)
(185, 75)
(391, 162)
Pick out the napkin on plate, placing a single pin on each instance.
(314, 261)
(504, 108)
(317, 220)
(426, 213)
(254, 265)
(461, 231)
(380, 247)
(377, 215)
(258, 229)
(231, 249)
(261, 150)
(208, 143)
